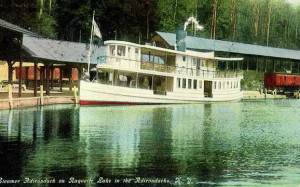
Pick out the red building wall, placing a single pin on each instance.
(281, 80)
(56, 73)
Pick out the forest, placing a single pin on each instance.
(264, 22)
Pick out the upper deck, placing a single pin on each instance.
(151, 59)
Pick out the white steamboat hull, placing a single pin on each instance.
(101, 94)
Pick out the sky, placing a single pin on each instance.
(293, 1)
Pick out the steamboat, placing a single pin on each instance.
(134, 74)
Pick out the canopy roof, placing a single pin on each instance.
(197, 43)
(61, 51)
(4, 25)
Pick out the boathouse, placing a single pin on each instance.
(39, 61)
(253, 54)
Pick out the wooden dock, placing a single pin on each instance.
(10, 99)
(250, 95)
(36, 101)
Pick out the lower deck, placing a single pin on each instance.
(97, 93)
(181, 85)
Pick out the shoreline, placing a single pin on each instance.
(36, 101)
(50, 100)
(254, 95)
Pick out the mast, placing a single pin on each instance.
(90, 47)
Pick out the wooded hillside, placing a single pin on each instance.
(265, 22)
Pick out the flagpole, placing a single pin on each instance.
(90, 48)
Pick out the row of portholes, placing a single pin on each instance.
(198, 84)
(226, 85)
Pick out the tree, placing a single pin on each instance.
(29, 15)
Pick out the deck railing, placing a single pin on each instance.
(229, 74)
(157, 67)
(119, 61)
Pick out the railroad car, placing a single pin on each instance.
(282, 81)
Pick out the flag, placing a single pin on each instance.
(96, 31)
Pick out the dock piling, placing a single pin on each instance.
(41, 95)
(75, 94)
(10, 97)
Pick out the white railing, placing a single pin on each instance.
(127, 63)
(119, 61)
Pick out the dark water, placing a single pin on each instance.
(243, 143)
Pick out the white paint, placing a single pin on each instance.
(107, 93)
(186, 69)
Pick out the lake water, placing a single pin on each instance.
(240, 143)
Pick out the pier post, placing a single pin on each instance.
(10, 96)
(79, 76)
(35, 80)
(26, 73)
(52, 71)
(42, 75)
(20, 77)
(41, 95)
(10, 71)
(60, 77)
(75, 94)
(70, 78)
(47, 79)
(265, 90)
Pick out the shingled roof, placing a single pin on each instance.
(197, 43)
(11, 27)
(61, 51)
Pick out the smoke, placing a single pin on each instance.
(193, 20)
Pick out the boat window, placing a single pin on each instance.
(144, 81)
(129, 52)
(223, 85)
(136, 53)
(198, 63)
(190, 84)
(121, 50)
(215, 85)
(124, 79)
(112, 49)
(195, 84)
(194, 62)
(105, 77)
(178, 82)
(183, 58)
(183, 83)
(220, 85)
(200, 84)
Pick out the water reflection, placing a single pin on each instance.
(225, 143)
(155, 146)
